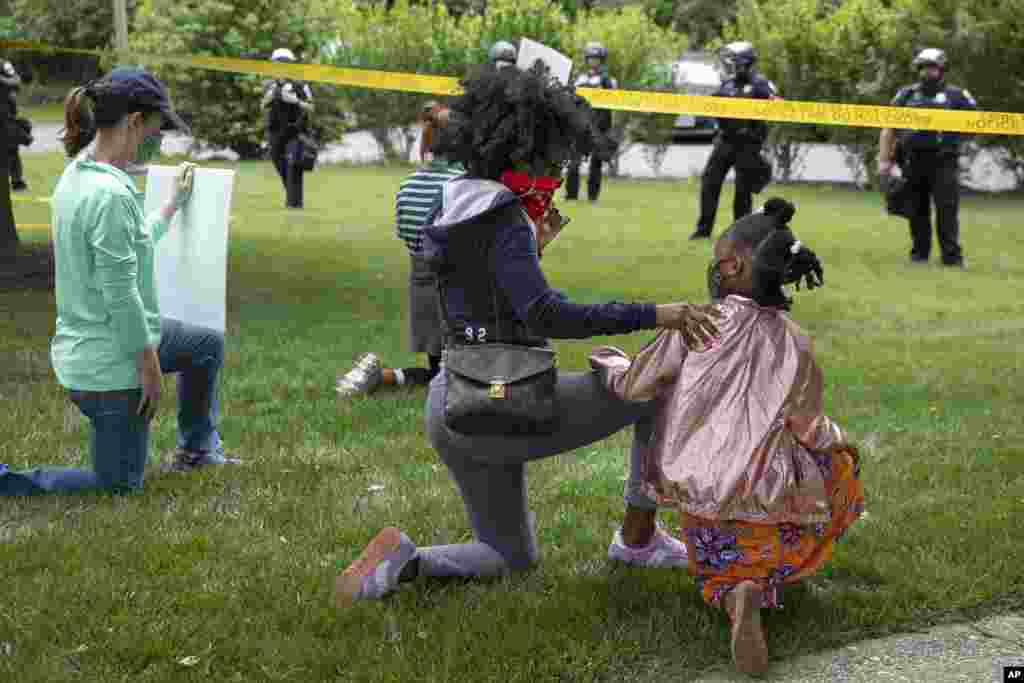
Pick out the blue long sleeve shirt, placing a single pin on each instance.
(480, 237)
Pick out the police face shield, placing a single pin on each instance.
(594, 62)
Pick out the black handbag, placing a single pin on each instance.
(496, 388)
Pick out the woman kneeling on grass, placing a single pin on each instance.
(111, 346)
(514, 131)
(764, 481)
(417, 196)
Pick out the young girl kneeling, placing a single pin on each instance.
(764, 481)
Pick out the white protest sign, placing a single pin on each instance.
(192, 258)
(530, 51)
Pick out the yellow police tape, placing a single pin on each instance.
(30, 200)
(827, 113)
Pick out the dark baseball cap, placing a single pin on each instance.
(142, 89)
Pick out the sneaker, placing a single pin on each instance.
(19, 187)
(662, 551)
(364, 378)
(699, 234)
(186, 461)
(749, 650)
(375, 572)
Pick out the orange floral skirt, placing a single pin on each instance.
(723, 554)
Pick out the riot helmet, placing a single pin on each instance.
(282, 54)
(931, 66)
(738, 59)
(595, 54)
(503, 53)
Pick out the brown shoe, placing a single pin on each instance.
(749, 650)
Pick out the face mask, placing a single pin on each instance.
(715, 280)
(535, 193)
(149, 149)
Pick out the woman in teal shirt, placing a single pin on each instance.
(111, 346)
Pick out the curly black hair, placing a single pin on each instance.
(778, 257)
(511, 119)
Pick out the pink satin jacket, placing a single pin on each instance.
(738, 424)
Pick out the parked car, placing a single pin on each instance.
(696, 73)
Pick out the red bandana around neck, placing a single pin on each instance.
(534, 192)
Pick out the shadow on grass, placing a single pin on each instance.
(30, 268)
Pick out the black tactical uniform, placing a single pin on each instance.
(285, 121)
(602, 123)
(738, 143)
(929, 160)
(19, 131)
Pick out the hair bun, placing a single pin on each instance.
(779, 209)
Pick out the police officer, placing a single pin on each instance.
(288, 104)
(596, 76)
(738, 143)
(503, 54)
(929, 160)
(19, 131)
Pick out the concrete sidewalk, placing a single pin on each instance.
(967, 653)
(822, 163)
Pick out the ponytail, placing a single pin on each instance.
(780, 259)
(79, 122)
(432, 116)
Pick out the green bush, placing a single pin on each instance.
(410, 38)
(859, 51)
(637, 65)
(224, 108)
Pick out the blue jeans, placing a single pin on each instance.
(119, 445)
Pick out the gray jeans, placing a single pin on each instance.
(491, 473)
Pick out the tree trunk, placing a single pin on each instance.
(8, 231)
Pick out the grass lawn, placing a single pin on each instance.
(227, 575)
(43, 113)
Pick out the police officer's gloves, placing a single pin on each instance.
(183, 182)
(804, 266)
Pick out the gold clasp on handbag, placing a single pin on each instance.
(497, 389)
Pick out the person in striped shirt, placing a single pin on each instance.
(417, 198)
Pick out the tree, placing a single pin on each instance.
(637, 65)
(87, 24)
(224, 108)
(816, 51)
(8, 231)
(427, 39)
(410, 38)
(701, 20)
(84, 24)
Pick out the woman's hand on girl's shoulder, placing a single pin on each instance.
(696, 322)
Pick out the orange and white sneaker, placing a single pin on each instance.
(375, 572)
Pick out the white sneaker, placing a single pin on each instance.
(364, 378)
(663, 551)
